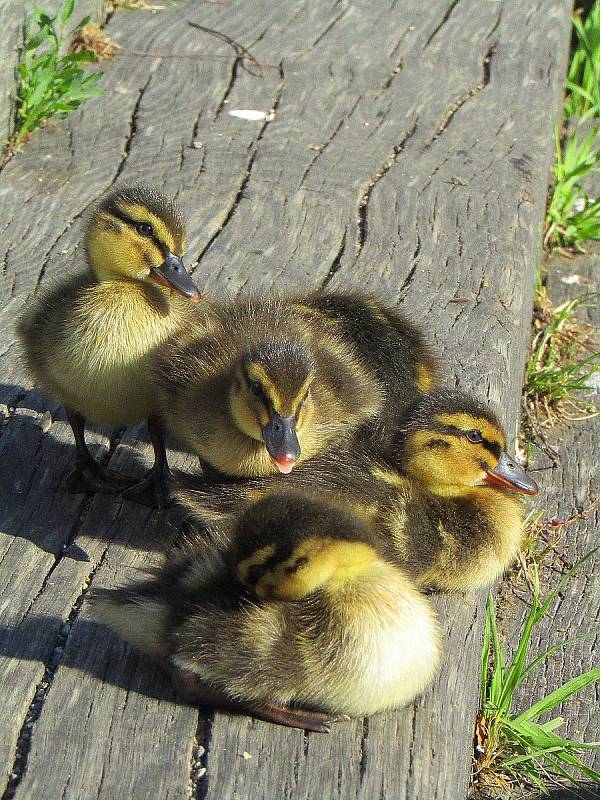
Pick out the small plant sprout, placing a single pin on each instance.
(50, 82)
(516, 747)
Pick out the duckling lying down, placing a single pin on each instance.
(335, 559)
(345, 632)
(88, 339)
(442, 498)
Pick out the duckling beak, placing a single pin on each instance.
(281, 442)
(172, 274)
(509, 474)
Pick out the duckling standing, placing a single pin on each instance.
(259, 389)
(88, 339)
(443, 499)
(328, 627)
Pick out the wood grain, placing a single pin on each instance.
(408, 153)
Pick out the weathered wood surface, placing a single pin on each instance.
(572, 485)
(409, 153)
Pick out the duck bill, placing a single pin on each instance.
(281, 442)
(173, 275)
(508, 474)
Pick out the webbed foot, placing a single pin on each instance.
(154, 491)
(197, 692)
(93, 477)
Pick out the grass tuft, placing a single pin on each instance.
(564, 364)
(51, 83)
(516, 747)
(583, 78)
(573, 216)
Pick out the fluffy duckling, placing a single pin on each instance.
(328, 627)
(259, 388)
(87, 340)
(390, 343)
(266, 385)
(444, 499)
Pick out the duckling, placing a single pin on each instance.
(301, 620)
(443, 498)
(259, 389)
(273, 383)
(87, 340)
(390, 343)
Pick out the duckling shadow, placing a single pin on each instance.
(35, 458)
(88, 647)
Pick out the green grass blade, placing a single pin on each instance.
(559, 695)
(564, 580)
(553, 649)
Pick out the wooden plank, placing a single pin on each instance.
(572, 485)
(388, 164)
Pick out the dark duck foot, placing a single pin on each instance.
(192, 688)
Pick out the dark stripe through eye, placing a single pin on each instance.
(438, 443)
(492, 447)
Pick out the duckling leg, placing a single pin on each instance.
(197, 692)
(88, 475)
(154, 490)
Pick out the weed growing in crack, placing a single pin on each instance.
(50, 83)
(516, 747)
(564, 362)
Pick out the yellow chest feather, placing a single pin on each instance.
(101, 361)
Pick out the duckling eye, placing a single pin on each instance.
(475, 436)
(144, 229)
(257, 389)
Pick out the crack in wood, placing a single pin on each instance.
(228, 89)
(445, 19)
(328, 27)
(132, 131)
(364, 759)
(51, 664)
(362, 221)
(471, 92)
(322, 148)
(415, 261)
(390, 78)
(336, 263)
(248, 171)
(199, 759)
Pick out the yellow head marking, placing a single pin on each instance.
(446, 464)
(313, 564)
(467, 422)
(172, 238)
(257, 558)
(425, 378)
(131, 232)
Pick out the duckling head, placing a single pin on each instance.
(271, 400)
(289, 545)
(452, 443)
(135, 233)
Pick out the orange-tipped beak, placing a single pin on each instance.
(508, 474)
(281, 442)
(284, 465)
